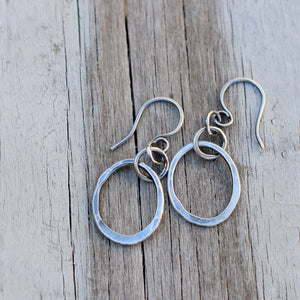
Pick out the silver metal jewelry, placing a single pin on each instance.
(197, 145)
(151, 177)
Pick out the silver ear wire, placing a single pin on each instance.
(228, 113)
(139, 115)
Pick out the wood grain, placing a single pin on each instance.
(73, 76)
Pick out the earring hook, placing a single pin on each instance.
(228, 113)
(144, 106)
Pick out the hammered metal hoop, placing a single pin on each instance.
(146, 232)
(236, 187)
(196, 142)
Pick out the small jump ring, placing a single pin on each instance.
(141, 153)
(217, 116)
(196, 141)
(161, 139)
(228, 115)
(152, 144)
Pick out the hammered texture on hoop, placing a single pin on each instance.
(146, 232)
(236, 187)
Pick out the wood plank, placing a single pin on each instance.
(74, 75)
(107, 109)
(267, 49)
(36, 250)
(191, 61)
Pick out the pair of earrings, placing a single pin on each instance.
(152, 176)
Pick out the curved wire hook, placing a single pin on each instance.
(261, 110)
(144, 106)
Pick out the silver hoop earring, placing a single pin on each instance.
(151, 177)
(221, 151)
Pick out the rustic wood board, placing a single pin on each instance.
(73, 76)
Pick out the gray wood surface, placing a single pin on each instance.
(73, 76)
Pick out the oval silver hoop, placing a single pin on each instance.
(236, 187)
(146, 232)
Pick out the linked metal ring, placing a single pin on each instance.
(217, 116)
(136, 163)
(146, 232)
(196, 142)
(236, 187)
(228, 115)
(152, 144)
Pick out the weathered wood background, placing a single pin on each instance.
(73, 75)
